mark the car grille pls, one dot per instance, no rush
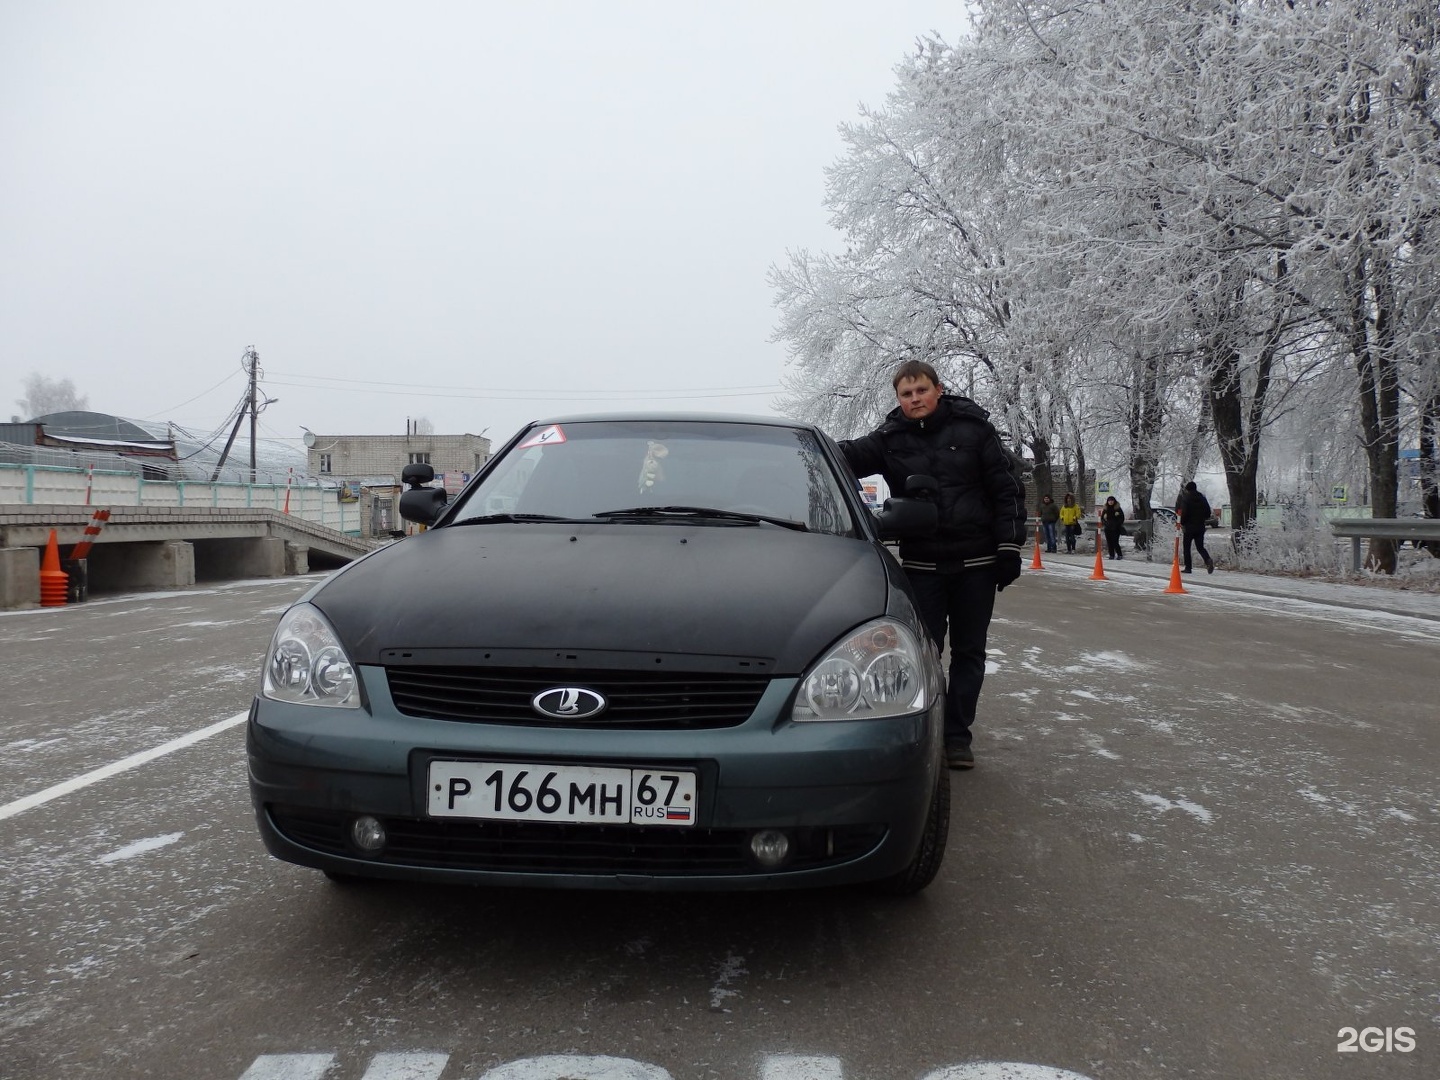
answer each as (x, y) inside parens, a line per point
(635, 699)
(529, 848)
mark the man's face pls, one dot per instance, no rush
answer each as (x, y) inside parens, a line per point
(918, 396)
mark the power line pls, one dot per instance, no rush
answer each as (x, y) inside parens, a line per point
(589, 395)
(407, 389)
(197, 397)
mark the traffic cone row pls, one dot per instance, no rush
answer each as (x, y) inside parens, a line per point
(54, 582)
(1098, 574)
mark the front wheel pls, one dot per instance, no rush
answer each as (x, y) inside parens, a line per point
(931, 853)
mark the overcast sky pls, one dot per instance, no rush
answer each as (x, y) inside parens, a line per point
(477, 213)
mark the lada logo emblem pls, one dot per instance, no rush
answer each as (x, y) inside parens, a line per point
(568, 703)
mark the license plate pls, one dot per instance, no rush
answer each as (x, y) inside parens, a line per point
(509, 791)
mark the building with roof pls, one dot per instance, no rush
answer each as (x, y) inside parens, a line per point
(156, 451)
(377, 461)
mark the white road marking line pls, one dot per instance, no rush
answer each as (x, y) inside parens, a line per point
(1003, 1070)
(406, 1067)
(428, 1066)
(19, 806)
(799, 1067)
(576, 1067)
(288, 1067)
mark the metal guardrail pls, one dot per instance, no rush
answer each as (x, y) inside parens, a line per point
(1357, 529)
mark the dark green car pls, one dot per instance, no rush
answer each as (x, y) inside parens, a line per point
(634, 652)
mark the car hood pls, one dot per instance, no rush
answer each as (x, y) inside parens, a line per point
(670, 590)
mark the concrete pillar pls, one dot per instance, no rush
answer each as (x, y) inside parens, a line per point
(297, 558)
(19, 577)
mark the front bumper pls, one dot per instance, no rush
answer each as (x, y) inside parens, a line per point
(852, 796)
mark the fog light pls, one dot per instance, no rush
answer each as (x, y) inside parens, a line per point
(368, 834)
(770, 847)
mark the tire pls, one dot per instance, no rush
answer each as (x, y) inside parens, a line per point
(931, 853)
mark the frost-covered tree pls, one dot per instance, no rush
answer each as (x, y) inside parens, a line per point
(1130, 223)
(44, 396)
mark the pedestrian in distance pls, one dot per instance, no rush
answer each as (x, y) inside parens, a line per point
(1112, 521)
(1193, 510)
(975, 551)
(1049, 522)
(1070, 521)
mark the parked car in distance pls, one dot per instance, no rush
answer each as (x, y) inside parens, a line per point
(639, 651)
(1161, 519)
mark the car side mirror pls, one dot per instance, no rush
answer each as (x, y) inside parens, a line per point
(423, 505)
(900, 518)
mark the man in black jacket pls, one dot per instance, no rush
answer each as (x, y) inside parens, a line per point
(1193, 510)
(976, 550)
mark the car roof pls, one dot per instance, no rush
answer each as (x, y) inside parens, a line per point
(670, 415)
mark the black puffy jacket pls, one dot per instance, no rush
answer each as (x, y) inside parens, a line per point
(982, 498)
(1193, 510)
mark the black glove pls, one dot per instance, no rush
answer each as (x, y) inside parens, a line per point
(1007, 569)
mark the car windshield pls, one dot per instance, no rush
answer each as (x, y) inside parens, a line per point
(663, 471)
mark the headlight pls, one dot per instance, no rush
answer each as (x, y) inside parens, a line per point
(874, 672)
(306, 663)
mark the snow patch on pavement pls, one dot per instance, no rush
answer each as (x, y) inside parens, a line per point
(731, 968)
(1163, 804)
(140, 847)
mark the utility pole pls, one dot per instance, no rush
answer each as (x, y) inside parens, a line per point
(250, 364)
(252, 368)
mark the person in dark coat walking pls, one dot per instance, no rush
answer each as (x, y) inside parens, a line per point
(1049, 522)
(1193, 510)
(1112, 520)
(975, 551)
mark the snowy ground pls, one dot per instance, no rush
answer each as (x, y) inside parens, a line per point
(1414, 590)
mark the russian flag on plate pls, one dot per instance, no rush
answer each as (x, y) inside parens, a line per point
(677, 813)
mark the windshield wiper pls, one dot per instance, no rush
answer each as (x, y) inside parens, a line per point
(492, 519)
(705, 512)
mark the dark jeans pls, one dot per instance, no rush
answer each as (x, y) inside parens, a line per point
(1195, 536)
(1112, 543)
(1049, 529)
(964, 601)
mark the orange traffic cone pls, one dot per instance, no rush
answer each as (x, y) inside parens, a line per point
(54, 582)
(1035, 563)
(1099, 574)
(1175, 586)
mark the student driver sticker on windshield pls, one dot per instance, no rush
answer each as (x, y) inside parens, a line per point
(551, 434)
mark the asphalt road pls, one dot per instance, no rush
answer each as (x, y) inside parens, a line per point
(1202, 841)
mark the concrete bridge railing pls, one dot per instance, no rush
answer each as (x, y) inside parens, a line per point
(163, 534)
(50, 485)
